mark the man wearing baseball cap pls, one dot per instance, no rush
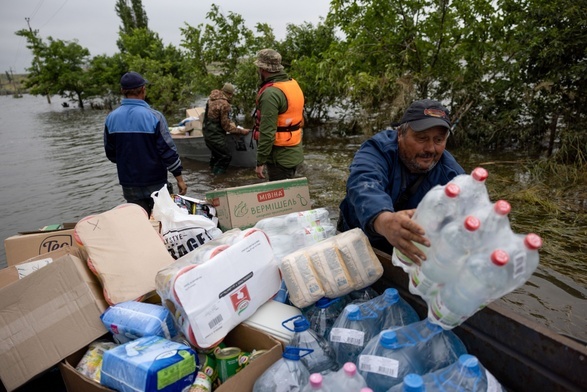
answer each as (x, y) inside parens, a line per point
(390, 174)
(279, 118)
(137, 139)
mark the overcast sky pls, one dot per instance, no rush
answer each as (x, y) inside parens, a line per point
(94, 23)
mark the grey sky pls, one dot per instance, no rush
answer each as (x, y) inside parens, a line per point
(95, 24)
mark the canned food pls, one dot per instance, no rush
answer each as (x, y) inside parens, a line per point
(208, 365)
(227, 362)
(202, 383)
(256, 354)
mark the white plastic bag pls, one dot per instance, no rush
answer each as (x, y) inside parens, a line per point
(182, 232)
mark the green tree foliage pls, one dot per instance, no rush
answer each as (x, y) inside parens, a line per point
(58, 67)
(132, 16)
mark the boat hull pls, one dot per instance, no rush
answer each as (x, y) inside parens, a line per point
(242, 148)
(522, 354)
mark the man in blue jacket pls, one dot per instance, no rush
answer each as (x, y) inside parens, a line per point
(137, 139)
(391, 173)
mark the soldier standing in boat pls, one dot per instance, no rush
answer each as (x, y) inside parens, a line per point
(278, 119)
(217, 124)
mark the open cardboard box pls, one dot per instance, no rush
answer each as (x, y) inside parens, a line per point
(244, 337)
(47, 315)
(29, 244)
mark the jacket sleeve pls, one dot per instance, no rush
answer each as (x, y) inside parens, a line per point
(109, 145)
(225, 122)
(372, 184)
(271, 102)
(166, 147)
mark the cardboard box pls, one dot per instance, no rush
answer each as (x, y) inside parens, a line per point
(47, 316)
(244, 337)
(196, 125)
(242, 207)
(28, 244)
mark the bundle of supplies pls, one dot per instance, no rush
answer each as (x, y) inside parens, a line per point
(150, 363)
(291, 232)
(124, 251)
(217, 286)
(331, 268)
(131, 320)
(474, 257)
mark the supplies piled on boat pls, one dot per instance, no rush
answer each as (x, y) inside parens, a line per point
(474, 257)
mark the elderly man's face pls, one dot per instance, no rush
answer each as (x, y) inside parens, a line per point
(421, 151)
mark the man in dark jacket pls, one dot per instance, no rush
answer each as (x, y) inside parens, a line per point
(391, 173)
(137, 139)
(216, 125)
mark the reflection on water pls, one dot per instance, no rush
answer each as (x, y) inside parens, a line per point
(54, 170)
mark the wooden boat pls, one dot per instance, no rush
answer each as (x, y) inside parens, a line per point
(521, 354)
(192, 146)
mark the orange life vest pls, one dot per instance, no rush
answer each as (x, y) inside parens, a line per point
(290, 122)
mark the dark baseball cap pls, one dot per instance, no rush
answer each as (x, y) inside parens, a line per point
(132, 80)
(425, 114)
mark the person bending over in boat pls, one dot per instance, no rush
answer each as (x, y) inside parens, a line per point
(390, 174)
(279, 118)
(216, 125)
(137, 139)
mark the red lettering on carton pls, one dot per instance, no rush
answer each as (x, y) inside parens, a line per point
(270, 195)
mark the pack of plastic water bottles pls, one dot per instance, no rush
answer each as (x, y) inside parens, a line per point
(474, 257)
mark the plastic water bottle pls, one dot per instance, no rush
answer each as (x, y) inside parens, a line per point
(438, 207)
(288, 374)
(412, 383)
(393, 310)
(419, 348)
(321, 359)
(473, 191)
(495, 223)
(362, 295)
(323, 314)
(347, 378)
(316, 384)
(283, 294)
(482, 279)
(448, 253)
(351, 332)
(523, 261)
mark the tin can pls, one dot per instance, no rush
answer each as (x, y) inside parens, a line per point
(208, 366)
(256, 354)
(202, 383)
(227, 362)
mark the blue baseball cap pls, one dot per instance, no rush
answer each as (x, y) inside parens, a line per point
(132, 80)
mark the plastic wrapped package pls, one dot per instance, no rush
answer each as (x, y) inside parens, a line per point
(91, 363)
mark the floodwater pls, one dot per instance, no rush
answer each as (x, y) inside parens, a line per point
(54, 170)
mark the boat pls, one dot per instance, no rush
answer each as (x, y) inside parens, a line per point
(522, 354)
(190, 143)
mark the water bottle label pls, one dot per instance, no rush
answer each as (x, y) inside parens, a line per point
(380, 365)
(349, 336)
(519, 262)
(422, 285)
(443, 315)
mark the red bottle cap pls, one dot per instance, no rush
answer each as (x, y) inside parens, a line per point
(533, 241)
(500, 257)
(480, 174)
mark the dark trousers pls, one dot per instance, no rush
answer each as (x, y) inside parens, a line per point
(141, 196)
(276, 172)
(220, 156)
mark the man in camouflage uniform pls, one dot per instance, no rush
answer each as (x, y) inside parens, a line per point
(216, 124)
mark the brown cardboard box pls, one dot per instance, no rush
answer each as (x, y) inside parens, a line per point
(195, 124)
(28, 244)
(244, 206)
(244, 337)
(46, 316)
